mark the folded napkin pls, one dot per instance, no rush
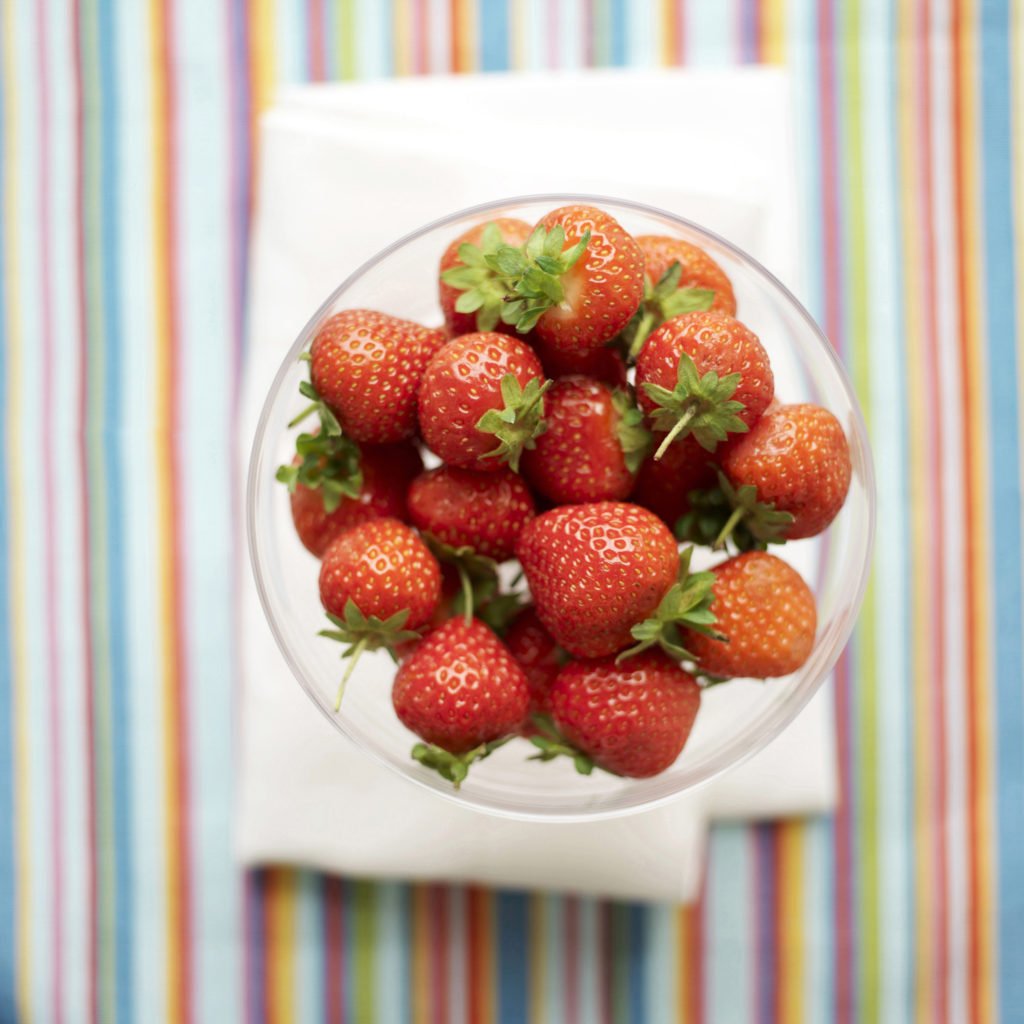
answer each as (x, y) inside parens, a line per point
(346, 169)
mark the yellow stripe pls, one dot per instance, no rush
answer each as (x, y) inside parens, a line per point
(16, 541)
(348, 61)
(262, 54)
(518, 16)
(668, 32)
(773, 31)
(401, 42)
(792, 951)
(282, 888)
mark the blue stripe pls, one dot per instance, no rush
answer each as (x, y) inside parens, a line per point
(494, 35)
(8, 951)
(618, 41)
(1004, 453)
(512, 916)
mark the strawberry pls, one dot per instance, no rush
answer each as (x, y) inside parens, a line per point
(596, 571)
(462, 692)
(466, 280)
(538, 655)
(703, 374)
(367, 367)
(384, 471)
(593, 445)
(482, 511)
(797, 461)
(604, 364)
(664, 485)
(766, 616)
(630, 719)
(477, 390)
(379, 584)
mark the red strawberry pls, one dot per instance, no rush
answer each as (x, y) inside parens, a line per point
(462, 692)
(703, 374)
(798, 460)
(698, 269)
(482, 511)
(367, 367)
(604, 364)
(379, 584)
(593, 445)
(386, 472)
(766, 614)
(664, 485)
(464, 270)
(631, 719)
(538, 655)
(596, 571)
(481, 401)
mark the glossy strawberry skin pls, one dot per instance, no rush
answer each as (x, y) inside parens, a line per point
(602, 290)
(716, 342)
(513, 231)
(387, 472)
(384, 568)
(461, 383)
(699, 269)
(767, 612)
(604, 364)
(579, 457)
(632, 719)
(596, 570)
(460, 688)
(798, 458)
(462, 508)
(367, 367)
(664, 485)
(538, 655)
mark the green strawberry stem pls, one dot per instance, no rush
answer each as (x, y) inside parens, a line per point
(311, 408)
(681, 424)
(662, 302)
(726, 531)
(467, 591)
(454, 767)
(353, 659)
(649, 319)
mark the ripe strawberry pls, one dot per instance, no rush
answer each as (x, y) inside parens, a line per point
(538, 655)
(385, 473)
(465, 276)
(630, 719)
(596, 571)
(698, 269)
(604, 364)
(766, 615)
(480, 389)
(367, 367)
(664, 485)
(593, 445)
(378, 584)
(798, 460)
(703, 374)
(482, 511)
(462, 692)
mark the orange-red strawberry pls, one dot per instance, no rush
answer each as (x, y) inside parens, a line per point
(704, 374)
(766, 614)
(366, 367)
(604, 364)
(664, 485)
(462, 692)
(379, 584)
(538, 655)
(481, 401)
(631, 718)
(385, 474)
(467, 280)
(593, 445)
(698, 269)
(463, 509)
(798, 460)
(595, 571)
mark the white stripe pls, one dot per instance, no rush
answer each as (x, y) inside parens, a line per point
(439, 36)
(643, 30)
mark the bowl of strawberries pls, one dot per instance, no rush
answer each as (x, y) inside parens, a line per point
(561, 506)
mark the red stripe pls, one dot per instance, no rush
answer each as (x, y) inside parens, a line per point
(437, 900)
(334, 942)
(680, 33)
(455, 30)
(49, 499)
(92, 981)
(572, 960)
(316, 43)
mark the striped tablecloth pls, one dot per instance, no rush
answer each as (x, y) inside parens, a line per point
(126, 145)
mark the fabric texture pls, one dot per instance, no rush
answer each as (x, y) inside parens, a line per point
(126, 156)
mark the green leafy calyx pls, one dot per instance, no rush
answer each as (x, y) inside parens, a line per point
(687, 604)
(634, 437)
(661, 302)
(550, 743)
(453, 767)
(519, 422)
(729, 516)
(701, 406)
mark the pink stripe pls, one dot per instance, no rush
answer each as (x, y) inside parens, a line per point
(421, 58)
(553, 34)
(315, 42)
(49, 492)
(588, 33)
(572, 960)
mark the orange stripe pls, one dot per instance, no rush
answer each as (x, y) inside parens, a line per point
(790, 923)
(480, 956)
(280, 945)
(420, 955)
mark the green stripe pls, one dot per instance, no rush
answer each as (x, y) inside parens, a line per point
(364, 896)
(347, 20)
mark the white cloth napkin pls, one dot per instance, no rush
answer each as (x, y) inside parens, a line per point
(346, 169)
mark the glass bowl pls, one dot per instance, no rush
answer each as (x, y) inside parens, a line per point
(735, 720)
